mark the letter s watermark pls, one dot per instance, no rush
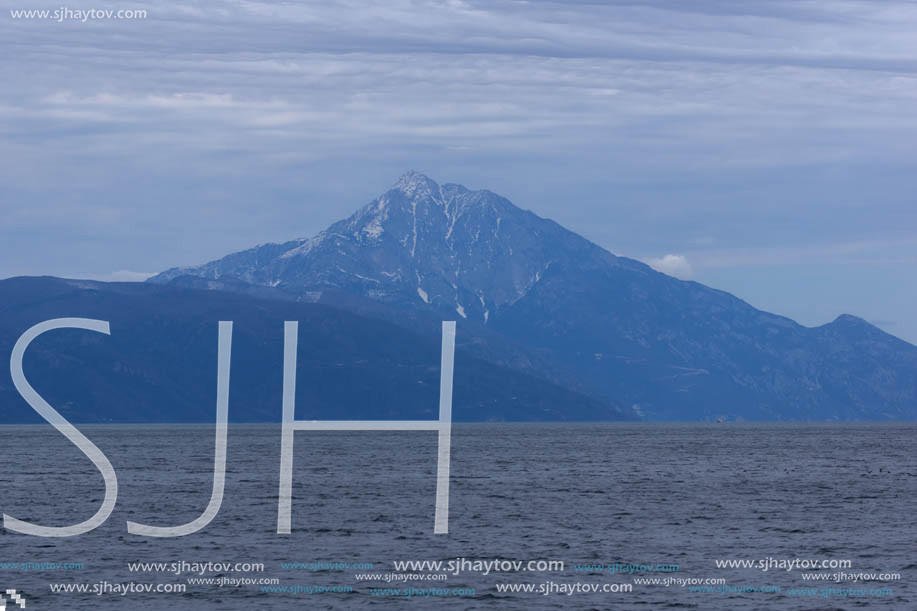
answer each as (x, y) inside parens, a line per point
(68, 430)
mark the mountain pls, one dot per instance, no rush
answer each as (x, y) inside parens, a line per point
(421, 245)
(159, 363)
(536, 298)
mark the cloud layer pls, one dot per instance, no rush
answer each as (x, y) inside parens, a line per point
(715, 129)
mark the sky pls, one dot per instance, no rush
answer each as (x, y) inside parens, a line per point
(766, 148)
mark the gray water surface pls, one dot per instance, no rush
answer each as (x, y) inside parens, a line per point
(684, 494)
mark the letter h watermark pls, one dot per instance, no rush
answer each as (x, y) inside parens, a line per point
(290, 425)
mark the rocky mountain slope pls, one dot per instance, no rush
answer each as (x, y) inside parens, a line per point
(159, 363)
(535, 297)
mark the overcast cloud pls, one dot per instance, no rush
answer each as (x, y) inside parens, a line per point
(771, 144)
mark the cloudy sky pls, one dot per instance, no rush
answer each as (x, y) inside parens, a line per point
(765, 147)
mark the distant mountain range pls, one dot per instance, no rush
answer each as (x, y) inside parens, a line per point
(160, 362)
(532, 296)
(550, 327)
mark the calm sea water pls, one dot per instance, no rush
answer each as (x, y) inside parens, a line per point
(585, 494)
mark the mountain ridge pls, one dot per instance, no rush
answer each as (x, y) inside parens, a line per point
(159, 362)
(466, 282)
(536, 296)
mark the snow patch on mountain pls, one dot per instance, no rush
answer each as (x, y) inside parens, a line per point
(471, 252)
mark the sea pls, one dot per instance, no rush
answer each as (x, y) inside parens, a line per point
(614, 503)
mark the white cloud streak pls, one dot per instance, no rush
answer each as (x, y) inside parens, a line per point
(673, 265)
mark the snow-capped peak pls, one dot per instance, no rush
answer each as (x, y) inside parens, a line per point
(474, 251)
(414, 184)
